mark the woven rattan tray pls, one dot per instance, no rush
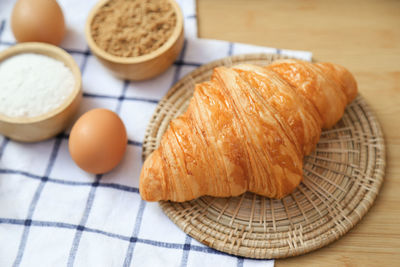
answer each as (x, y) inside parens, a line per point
(341, 180)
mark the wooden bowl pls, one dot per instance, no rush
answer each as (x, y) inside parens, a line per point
(38, 128)
(141, 67)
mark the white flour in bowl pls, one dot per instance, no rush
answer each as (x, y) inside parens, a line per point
(33, 84)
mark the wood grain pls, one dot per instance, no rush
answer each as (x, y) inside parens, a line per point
(364, 36)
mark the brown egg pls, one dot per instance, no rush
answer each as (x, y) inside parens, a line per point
(98, 140)
(38, 21)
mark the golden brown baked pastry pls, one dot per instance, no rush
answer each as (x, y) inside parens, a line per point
(247, 130)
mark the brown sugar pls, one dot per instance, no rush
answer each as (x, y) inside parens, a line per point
(131, 28)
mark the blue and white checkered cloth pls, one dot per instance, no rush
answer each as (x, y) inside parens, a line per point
(54, 214)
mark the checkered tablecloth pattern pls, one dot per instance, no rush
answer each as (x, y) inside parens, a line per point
(54, 214)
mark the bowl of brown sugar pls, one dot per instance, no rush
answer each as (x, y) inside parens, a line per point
(135, 39)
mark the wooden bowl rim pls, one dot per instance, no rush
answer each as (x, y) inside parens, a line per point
(46, 50)
(139, 59)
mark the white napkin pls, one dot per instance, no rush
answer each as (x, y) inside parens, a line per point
(54, 214)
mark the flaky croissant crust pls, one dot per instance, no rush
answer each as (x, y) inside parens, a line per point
(247, 129)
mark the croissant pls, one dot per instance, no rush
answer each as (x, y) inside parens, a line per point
(247, 129)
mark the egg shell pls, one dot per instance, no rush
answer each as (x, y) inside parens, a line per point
(38, 21)
(98, 141)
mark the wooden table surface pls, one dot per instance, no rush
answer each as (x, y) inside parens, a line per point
(363, 36)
